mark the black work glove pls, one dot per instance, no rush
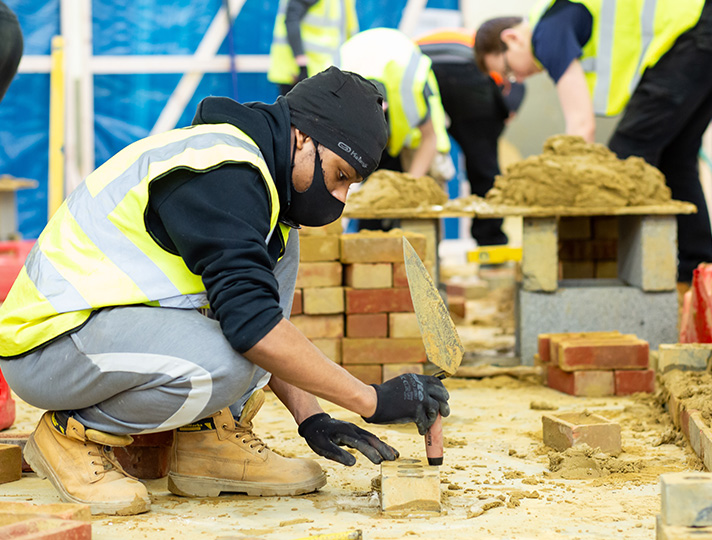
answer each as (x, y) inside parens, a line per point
(410, 398)
(323, 433)
(303, 73)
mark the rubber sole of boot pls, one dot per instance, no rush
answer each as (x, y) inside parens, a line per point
(34, 458)
(201, 486)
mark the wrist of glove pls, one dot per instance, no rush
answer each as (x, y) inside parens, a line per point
(325, 435)
(410, 398)
(303, 73)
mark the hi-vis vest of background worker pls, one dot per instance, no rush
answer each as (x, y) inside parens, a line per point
(627, 37)
(327, 25)
(96, 251)
(390, 57)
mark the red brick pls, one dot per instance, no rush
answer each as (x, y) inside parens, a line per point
(456, 306)
(318, 248)
(365, 325)
(26, 510)
(320, 326)
(393, 370)
(400, 278)
(630, 381)
(382, 351)
(369, 374)
(368, 275)
(545, 348)
(566, 430)
(18, 439)
(602, 354)
(10, 463)
(586, 250)
(581, 383)
(148, 456)
(378, 300)
(557, 339)
(378, 246)
(49, 529)
(319, 274)
(297, 303)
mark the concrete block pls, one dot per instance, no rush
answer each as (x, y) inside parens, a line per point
(319, 274)
(393, 370)
(10, 463)
(17, 439)
(409, 485)
(379, 246)
(632, 381)
(367, 325)
(366, 373)
(647, 252)
(26, 510)
(684, 356)
(368, 275)
(671, 532)
(378, 300)
(403, 325)
(566, 430)
(540, 262)
(603, 353)
(587, 307)
(49, 529)
(297, 303)
(320, 326)
(581, 383)
(382, 351)
(323, 300)
(331, 347)
(686, 499)
(319, 248)
(575, 227)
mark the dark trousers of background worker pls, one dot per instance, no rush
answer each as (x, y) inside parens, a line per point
(477, 113)
(11, 45)
(664, 122)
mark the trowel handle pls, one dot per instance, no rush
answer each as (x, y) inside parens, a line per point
(434, 442)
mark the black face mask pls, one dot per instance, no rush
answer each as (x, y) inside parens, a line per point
(314, 206)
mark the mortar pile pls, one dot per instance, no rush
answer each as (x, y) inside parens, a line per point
(390, 189)
(572, 172)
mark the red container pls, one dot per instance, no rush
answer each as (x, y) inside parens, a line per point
(7, 404)
(12, 257)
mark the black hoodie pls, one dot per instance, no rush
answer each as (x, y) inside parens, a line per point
(218, 221)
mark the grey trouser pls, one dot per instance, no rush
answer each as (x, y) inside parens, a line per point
(133, 370)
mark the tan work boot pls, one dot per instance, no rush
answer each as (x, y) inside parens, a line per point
(81, 465)
(221, 454)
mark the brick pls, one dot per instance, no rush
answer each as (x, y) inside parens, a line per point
(606, 270)
(378, 300)
(540, 263)
(50, 529)
(706, 445)
(10, 463)
(297, 303)
(320, 326)
(148, 456)
(390, 371)
(577, 269)
(631, 381)
(548, 343)
(473, 290)
(671, 532)
(382, 351)
(400, 278)
(604, 227)
(581, 383)
(26, 510)
(331, 347)
(379, 246)
(588, 250)
(566, 430)
(367, 325)
(675, 410)
(457, 306)
(618, 353)
(319, 248)
(647, 252)
(368, 275)
(684, 356)
(686, 499)
(335, 228)
(319, 274)
(403, 325)
(18, 439)
(367, 374)
(323, 301)
(571, 228)
(409, 484)
(694, 434)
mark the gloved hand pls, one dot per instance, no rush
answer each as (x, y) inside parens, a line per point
(303, 73)
(323, 433)
(410, 398)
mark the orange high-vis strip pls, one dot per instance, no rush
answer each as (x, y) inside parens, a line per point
(448, 36)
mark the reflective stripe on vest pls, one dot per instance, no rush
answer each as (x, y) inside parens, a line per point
(96, 251)
(627, 37)
(326, 25)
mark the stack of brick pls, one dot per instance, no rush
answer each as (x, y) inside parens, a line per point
(596, 363)
(353, 302)
(588, 247)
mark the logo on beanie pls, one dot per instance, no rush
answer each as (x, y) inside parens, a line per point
(346, 148)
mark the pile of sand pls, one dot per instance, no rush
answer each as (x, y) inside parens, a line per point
(386, 190)
(581, 462)
(571, 172)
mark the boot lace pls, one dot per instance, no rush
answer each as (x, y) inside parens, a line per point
(246, 436)
(106, 461)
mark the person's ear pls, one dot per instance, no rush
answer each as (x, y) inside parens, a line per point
(509, 36)
(301, 138)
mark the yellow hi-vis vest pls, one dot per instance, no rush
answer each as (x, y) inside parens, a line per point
(327, 25)
(96, 251)
(627, 37)
(391, 58)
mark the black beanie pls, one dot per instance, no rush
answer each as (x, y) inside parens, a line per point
(343, 112)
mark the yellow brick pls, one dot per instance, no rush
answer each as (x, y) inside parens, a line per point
(574, 228)
(319, 326)
(318, 248)
(319, 274)
(323, 300)
(369, 275)
(393, 370)
(379, 246)
(403, 325)
(333, 229)
(331, 347)
(409, 484)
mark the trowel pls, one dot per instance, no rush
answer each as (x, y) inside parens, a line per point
(442, 343)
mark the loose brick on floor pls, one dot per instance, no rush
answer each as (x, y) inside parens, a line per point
(631, 381)
(319, 326)
(686, 499)
(368, 275)
(566, 430)
(382, 351)
(49, 529)
(684, 356)
(581, 383)
(378, 300)
(18, 439)
(319, 274)
(409, 484)
(10, 463)
(599, 354)
(367, 325)
(26, 510)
